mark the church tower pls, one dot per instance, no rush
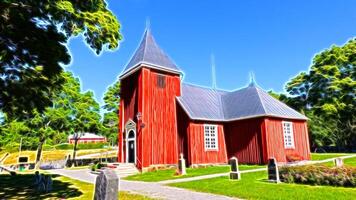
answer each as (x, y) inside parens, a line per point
(150, 83)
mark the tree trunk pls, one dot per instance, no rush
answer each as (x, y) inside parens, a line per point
(75, 150)
(39, 153)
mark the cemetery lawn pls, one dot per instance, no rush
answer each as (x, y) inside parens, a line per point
(168, 174)
(254, 186)
(323, 156)
(20, 187)
(350, 162)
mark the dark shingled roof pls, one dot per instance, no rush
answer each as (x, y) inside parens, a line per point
(151, 54)
(217, 105)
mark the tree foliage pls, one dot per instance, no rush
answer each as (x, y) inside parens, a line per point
(33, 37)
(111, 115)
(72, 111)
(327, 95)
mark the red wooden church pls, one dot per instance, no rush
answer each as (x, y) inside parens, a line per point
(162, 117)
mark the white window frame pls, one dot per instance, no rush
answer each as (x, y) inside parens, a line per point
(208, 138)
(288, 135)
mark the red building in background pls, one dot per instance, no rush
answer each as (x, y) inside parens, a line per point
(162, 117)
(87, 138)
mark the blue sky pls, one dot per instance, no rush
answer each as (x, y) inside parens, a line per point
(275, 39)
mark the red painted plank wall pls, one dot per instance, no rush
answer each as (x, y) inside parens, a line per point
(275, 141)
(183, 125)
(244, 140)
(198, 155)
(160, 135)
(120, 138)
(130, 99)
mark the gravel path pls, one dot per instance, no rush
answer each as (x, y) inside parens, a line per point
(153, 190)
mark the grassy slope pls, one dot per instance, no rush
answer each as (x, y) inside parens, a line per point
(49, 155)
(20, 187)
(254, 186)
(162, 175)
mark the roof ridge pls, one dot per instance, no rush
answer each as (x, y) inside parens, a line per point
(204, 87)
(145, 46)
(259, 97)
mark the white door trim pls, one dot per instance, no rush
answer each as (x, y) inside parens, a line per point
(130, 126)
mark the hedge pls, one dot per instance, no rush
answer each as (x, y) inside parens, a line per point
(319, 175)
(67, 146)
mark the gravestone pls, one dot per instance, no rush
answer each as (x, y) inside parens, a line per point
(339, 162)
(48, 183)
(181, 165)
(234, 173)
(273, 173)
(106, 185)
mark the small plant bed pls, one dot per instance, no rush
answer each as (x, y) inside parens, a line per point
(168, 174)
(319, 175)
(324, 156)
(255, 186)
(20, 187)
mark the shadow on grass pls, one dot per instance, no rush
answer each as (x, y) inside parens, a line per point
(22, 187)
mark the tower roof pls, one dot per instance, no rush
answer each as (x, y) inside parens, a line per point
(151, 55)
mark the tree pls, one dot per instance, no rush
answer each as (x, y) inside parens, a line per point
(111, 115)
(327, 94)
(72, 111)
(33, 37)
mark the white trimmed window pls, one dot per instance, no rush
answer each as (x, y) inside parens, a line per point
(210, 137)
(288, 134)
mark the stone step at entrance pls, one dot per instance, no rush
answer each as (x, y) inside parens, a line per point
(125, 169)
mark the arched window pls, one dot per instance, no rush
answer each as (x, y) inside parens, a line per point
(131, 134)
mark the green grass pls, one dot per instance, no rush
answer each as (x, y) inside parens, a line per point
(350, 162)
(20, 187)
(255, 186)
(161, 175)
(323, 156)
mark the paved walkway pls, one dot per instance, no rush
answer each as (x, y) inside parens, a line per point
(153, 190)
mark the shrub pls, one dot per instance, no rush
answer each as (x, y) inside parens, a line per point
(319, 175)
(47, 147)
(64, 146)
(97, 166)
(67, 146)
(294, 157)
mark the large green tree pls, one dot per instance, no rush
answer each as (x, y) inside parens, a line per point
(326, 93)
(33, 38)
(111, 112)
(72, 111)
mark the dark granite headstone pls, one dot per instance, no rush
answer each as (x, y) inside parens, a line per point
(106, 185)
(273, 173)
(235, 173)
(181, 166)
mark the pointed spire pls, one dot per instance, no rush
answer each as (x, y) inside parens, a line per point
(151, 55)
(252, 80)
(213, 72)
(148, 24)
